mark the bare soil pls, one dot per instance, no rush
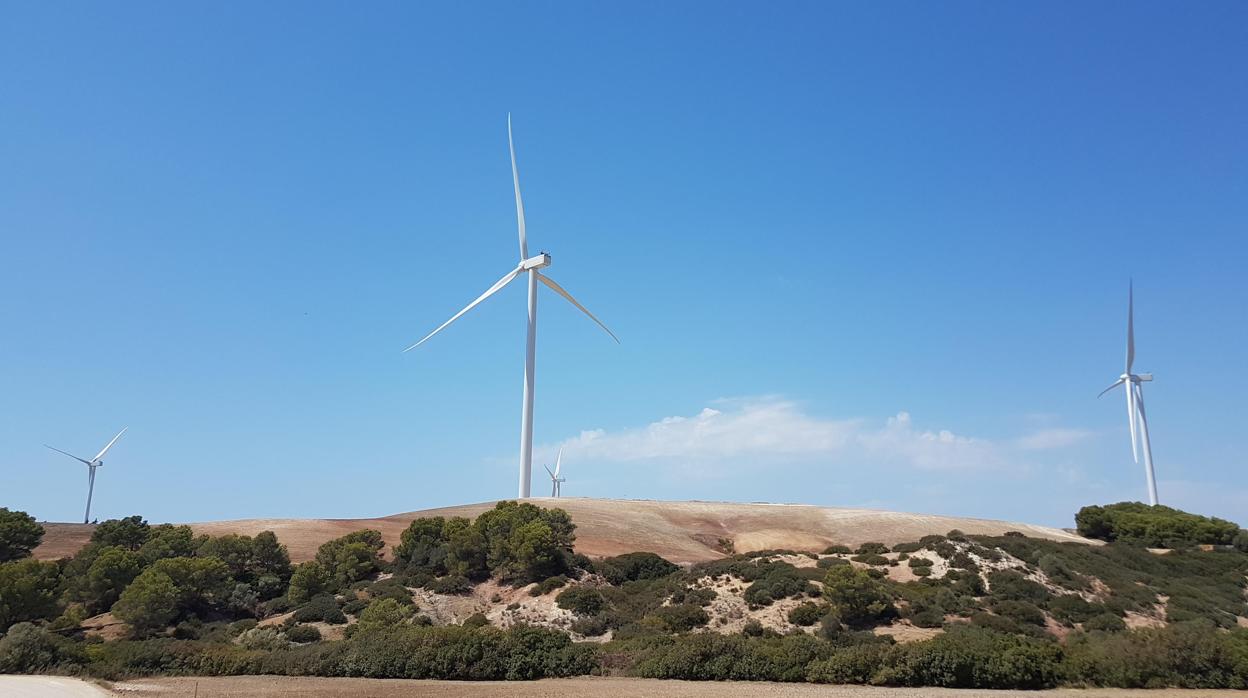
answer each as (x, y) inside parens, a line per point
(683, 532)
(311, 687)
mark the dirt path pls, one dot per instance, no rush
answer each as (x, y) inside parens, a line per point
(48, 687)
(309, 687)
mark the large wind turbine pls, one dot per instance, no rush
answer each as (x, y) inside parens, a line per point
(91, 466)
(531, 266)
(1135, 401)
(555, 480)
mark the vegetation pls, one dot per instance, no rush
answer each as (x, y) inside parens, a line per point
(19, 534)
(193, 604)
(1155, 526)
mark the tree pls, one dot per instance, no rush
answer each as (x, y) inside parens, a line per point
(352, 557)
(173, 589)
(525, 542)
(308, 580)
(129, 533)
(232, 549)
(28, 591)
(268, 557)
(1156, 526)
(423, 546)
(110, 573)
(856, 597)
(631, 567)
(19, 534)
(381, 614)
(150, 603)
(167, 540)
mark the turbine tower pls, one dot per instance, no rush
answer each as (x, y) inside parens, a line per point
(1134, 384)
(530, 266)
(555, 480)
(91, 466)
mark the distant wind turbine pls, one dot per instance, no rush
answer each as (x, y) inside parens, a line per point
(1135, 401)
(91, 466)
(555, 480)
(528, 265)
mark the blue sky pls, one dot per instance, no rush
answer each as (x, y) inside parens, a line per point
(857, 255)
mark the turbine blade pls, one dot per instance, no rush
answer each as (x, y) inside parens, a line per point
(515, 178)
(82, 460)
(1135, 453)
(110, 445)
(1111, 387)
(489, 292)
(552, 475)
(558, 461)
(559, 289)
(1130, 325)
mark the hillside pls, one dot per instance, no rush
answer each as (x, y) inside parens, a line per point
(679, 531)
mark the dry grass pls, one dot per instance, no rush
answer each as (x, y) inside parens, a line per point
(679, 531)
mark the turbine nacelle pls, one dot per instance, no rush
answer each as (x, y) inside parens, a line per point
(538, 262)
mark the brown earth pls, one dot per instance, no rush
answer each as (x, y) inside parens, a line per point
(679, 531)
(310, 687)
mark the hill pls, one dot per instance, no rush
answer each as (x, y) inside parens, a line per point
(684, 532)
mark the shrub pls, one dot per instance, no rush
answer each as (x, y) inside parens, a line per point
(1155, 526)
(27, 649)
(682, 617)
(919, 562)
(855, 664)
(1019, 611)
(907, 547)
(267, 638)
(309, 579)
(1070, 608)
(752, 628)
(837, 550)
(857, 598)
(777, 581)
(548, 585)
(871, 559)
(476, 620)
(590, 626)
(806, 614)
(350, 558)
(872, 549)
(1241, 541)
(967, 657)
(1008, 584)
(322, 608)
(450, 584)
(826, 562)
(1105, 622)
(921, 571)
(634, 566)
(581, 600)
(19, 534)
(303, 634)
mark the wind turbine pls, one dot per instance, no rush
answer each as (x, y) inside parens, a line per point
(1135, 401)
(530, 266)
(555, 480)
(91, 466)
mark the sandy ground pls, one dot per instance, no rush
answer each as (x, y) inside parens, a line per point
(679, 531)
(305, 687)
(48, 687)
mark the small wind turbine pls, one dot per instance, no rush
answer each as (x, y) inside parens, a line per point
(1135, 401)
(528, 265)
(91, 466)
(555, 480)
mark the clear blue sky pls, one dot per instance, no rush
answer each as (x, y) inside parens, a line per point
(222, 223)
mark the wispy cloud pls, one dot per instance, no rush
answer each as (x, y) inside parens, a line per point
(774, 429)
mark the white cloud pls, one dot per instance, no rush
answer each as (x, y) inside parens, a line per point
(1046, 439)
(772, 429)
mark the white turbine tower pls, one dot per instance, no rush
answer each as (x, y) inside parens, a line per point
(528, 265)
(1135, 401)
(555, 480)
(91, 466)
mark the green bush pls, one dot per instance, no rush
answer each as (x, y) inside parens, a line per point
(450, 584)
(968, 657)
(1241, 541)
(826, 562)
(919, 562)
(581, 600)
(856, 598)
(321, 608)
(590, 626)
(1105, 622)
(634, 566)
(837, 550)
(27, 649)
(19, 534)
(129, 533)
(548, 585)
(777, 581)
(872, 549)
(871, 559)
(1186, 656)
(806, 614)
(907, 547)
(28, 591)
(681, 617)
(303, 634)
(1155, 526)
